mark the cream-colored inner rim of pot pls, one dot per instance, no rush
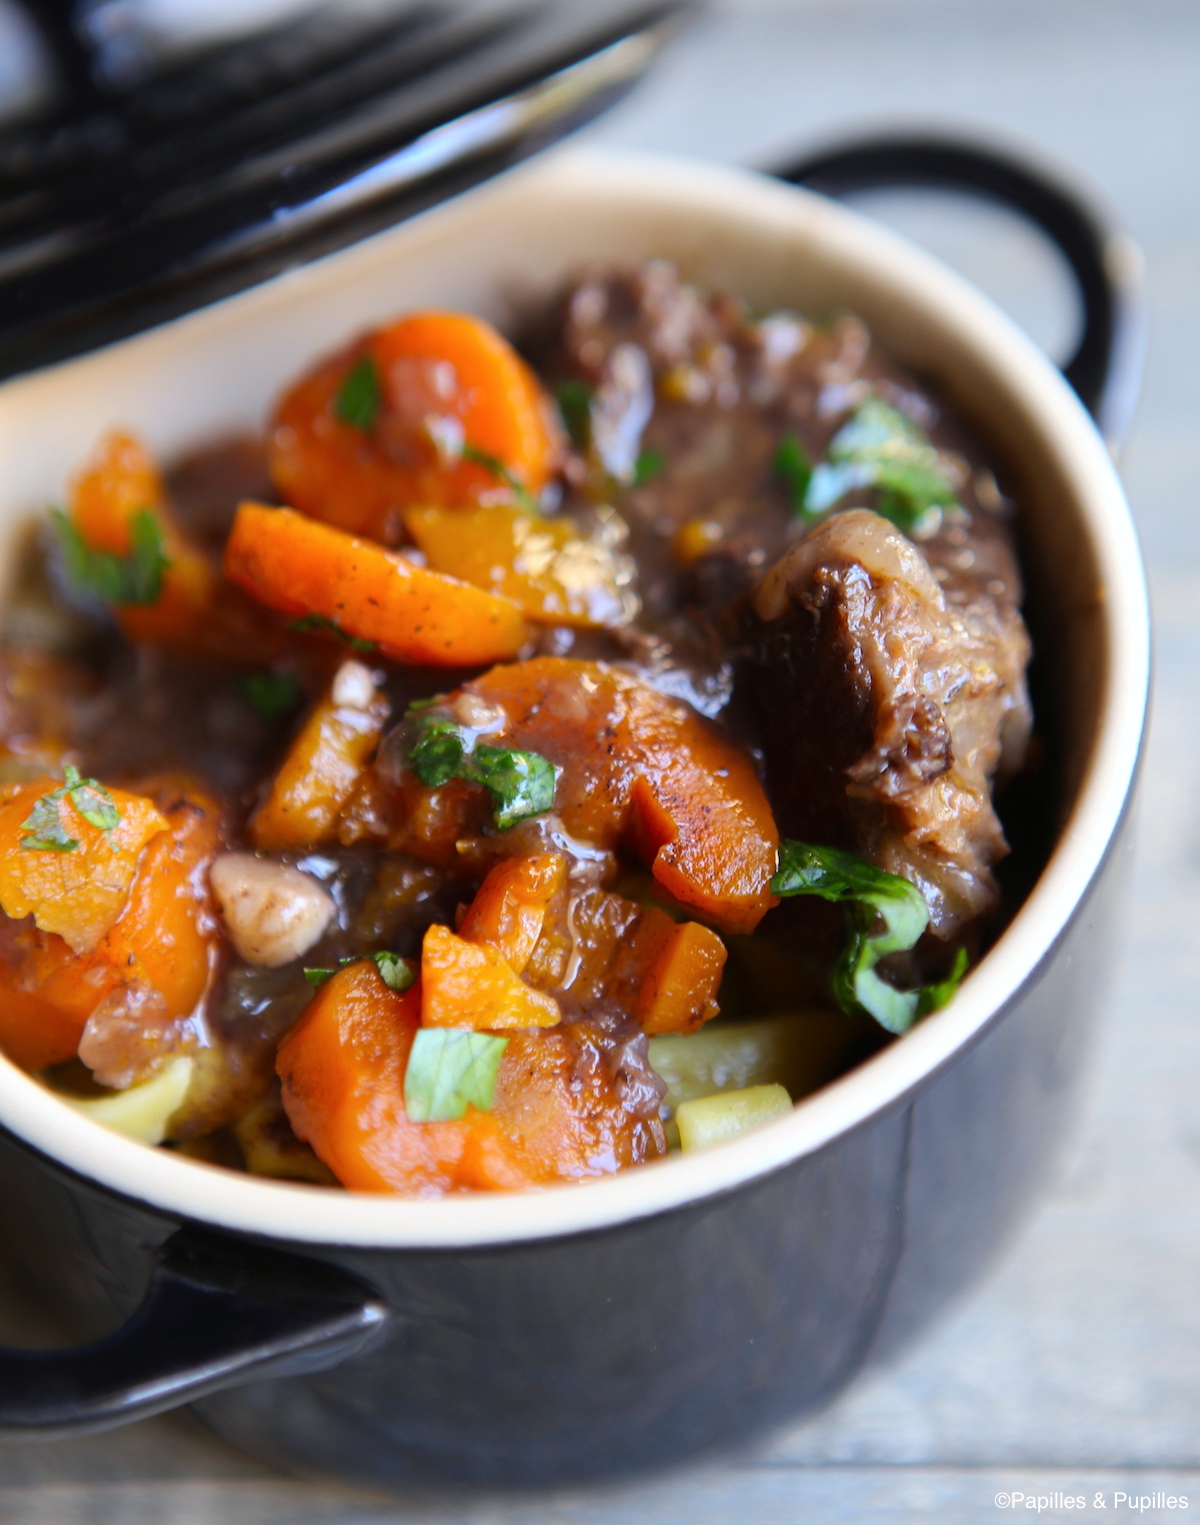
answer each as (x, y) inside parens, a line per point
(492, 251)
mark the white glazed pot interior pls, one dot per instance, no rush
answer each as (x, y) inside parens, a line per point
(500, 251)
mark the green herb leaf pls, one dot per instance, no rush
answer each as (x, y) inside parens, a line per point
(397, 973)
(574, 400)
(322, 622)
(146, 562)
(792, 465)
(942, 992)
(871, 897)
(132, 579)
(649, 464)
(359, 397)
(440, 754)
(879, 447)
(503, 474)
(450, 1069)
(47, 834)
(44, 823)
(273, 694)
(521, 784)
(92, 800)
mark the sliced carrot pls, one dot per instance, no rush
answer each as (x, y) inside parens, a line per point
(33, 1033)
(472, 985)
(167, 935)
(436, 382)
(321, 768)
(119, 482)
(426, 823)
(195, 609)
(556, 575)
(677, 989)
(643, 769)
(81, 892)
(342, 1067)
(166, 938)
(303, 568)
(509, 909)
(599, 949)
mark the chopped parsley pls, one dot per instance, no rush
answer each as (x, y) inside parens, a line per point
(135, 578)
(441, 752)
(870, 896)
(396, 973)
(322, 622)
(574, 400)
(649, 464)
(451, 1069)
(521, 784)
(879, 447)
(360, 396)
(792, 465)
(44, 822)
(272, 694)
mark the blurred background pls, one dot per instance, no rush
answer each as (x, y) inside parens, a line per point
(1076, 1367)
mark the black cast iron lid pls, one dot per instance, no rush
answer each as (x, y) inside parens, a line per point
(151, 183)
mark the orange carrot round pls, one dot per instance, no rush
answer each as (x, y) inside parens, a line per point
(434, 408)
(195, 610)
(368, 594)
(80, 891)
(644, 770)
(166, 937)
(342, 1068)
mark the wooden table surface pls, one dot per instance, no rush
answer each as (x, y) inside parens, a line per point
(1076, 1367)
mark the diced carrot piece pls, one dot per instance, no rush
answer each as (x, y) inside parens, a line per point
(80, 893)
(120, 481)
(599, 949)
(678, 988)
(167, 935)
(555, 574)
(443, 381)
(509, 909)
(425, 823)
(33, 1033)
(643, 769)
(322, 766)
(342, 1067)
(472, 985)
(302, 568)
(196, 609)
(166, 938)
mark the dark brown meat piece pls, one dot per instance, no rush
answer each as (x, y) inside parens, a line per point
(890, 676)
(890, 709)
(712, 390)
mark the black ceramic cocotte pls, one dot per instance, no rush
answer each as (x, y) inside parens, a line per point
(590, 1331)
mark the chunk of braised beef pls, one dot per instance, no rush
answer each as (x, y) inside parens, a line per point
(888, 711)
